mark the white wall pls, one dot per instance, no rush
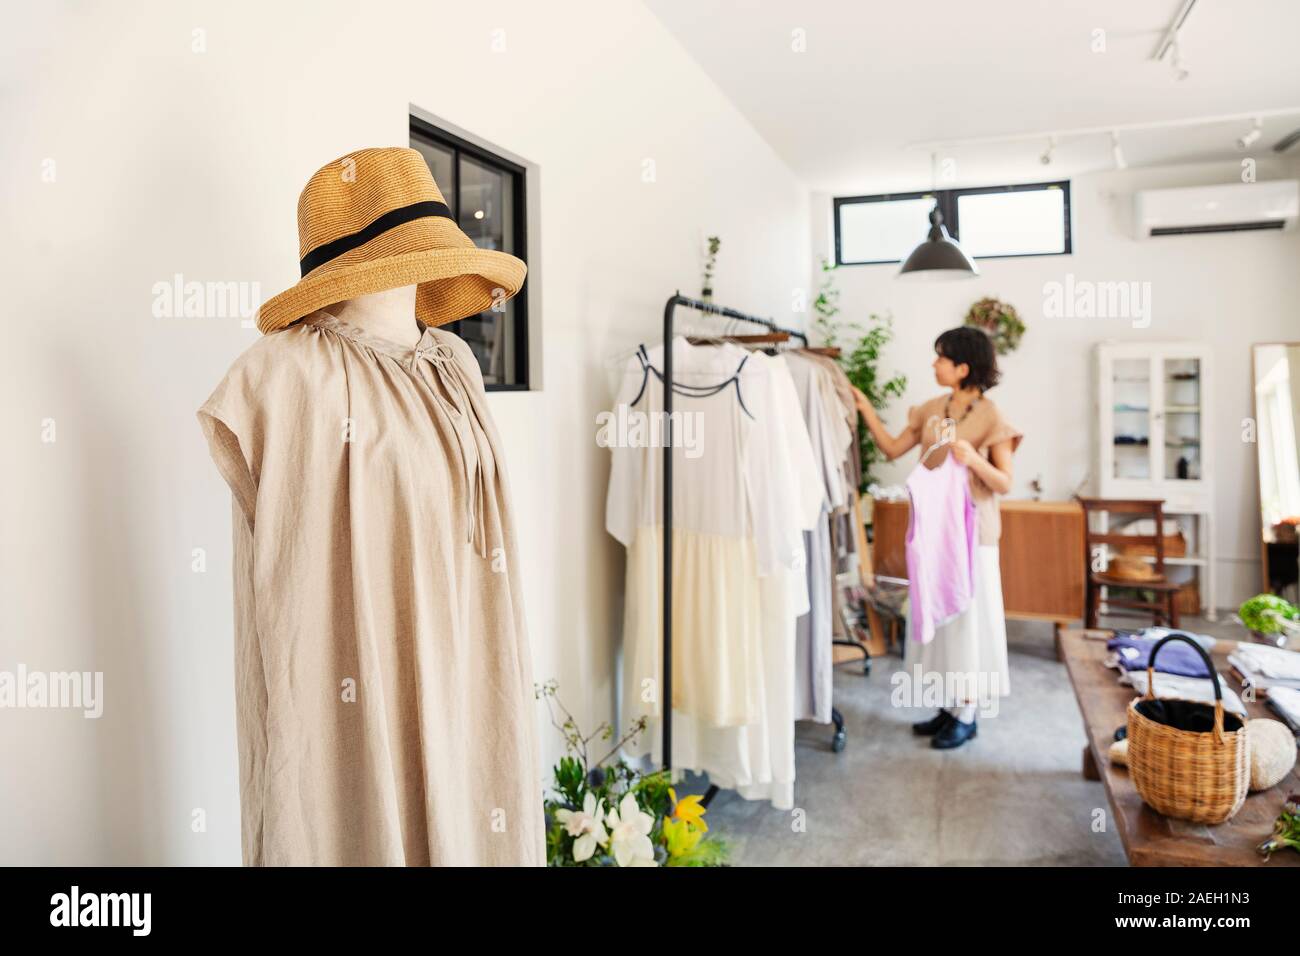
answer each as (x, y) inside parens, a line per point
(170, 161)
(1225, 290)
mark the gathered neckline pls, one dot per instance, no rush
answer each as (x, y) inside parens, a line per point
(327, 320)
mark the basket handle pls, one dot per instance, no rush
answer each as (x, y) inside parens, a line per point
(1209, 666)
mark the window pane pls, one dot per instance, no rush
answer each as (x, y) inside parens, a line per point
(885, 231)
(486, 200)
(1012, 223)
(440, 160)
(486, 214)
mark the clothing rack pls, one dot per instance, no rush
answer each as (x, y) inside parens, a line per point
(674, 302)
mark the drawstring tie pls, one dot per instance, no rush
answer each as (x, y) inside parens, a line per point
(443, 359)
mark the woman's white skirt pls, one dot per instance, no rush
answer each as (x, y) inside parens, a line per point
(969, 652)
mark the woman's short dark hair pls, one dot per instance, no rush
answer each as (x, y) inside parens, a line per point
(972, 346)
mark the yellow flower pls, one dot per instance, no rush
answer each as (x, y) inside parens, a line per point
(689, 810)
(680, 837)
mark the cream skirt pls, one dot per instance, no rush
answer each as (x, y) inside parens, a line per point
(969, 652)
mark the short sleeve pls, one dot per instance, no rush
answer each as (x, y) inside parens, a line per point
(915, 420)
(1001, 430)
(232, 427)
(627, 464)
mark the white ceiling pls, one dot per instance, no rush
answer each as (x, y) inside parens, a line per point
(879, 77)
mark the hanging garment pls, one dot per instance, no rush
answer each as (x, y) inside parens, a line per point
(983, 427)
(770, 743)
(757, 760)
(968, 655)
(837, 381)
(814, 635)
(717, 549)
(385, 709)
(742, 500)
(941, 538)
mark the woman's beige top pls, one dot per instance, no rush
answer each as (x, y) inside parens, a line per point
(984, 427)
(384, 697)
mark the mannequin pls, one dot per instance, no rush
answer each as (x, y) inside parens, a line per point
(383, 682)
(389, 314)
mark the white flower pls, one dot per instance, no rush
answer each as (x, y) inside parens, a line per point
(585, 824)
(629, 834)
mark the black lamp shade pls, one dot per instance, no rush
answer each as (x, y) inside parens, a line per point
(938, 257)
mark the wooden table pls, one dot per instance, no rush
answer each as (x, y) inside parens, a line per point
(1149, 838)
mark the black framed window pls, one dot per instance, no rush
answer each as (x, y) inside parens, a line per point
(486, 195)
(990, 222)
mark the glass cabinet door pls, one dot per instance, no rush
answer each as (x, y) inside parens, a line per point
(1181, 384)
(1131, 418)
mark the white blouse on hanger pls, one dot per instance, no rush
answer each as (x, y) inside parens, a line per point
(744, 492)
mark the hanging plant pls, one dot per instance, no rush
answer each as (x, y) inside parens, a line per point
(1000, 321)
(710, 262)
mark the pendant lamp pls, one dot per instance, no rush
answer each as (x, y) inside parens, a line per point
(938, 257)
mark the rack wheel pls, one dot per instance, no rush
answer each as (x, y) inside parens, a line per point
(839, 740)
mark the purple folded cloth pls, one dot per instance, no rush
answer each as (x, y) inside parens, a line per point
(1175, 657)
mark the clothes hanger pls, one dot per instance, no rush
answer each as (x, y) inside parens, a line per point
(944, 440)
(765, 338)
(830, 351)
(619, 359)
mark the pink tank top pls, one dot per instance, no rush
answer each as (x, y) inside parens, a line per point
(941, 540)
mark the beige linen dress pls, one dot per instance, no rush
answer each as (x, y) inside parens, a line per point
(383, 679)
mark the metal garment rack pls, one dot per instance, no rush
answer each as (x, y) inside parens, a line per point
(678, 300)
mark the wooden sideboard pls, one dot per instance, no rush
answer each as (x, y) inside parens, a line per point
(1041, 552)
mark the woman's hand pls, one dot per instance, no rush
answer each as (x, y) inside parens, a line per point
(965, 452)
(994, 471)
(865, 408)
(891, 445)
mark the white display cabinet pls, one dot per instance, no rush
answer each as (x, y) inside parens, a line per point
(1153, 405)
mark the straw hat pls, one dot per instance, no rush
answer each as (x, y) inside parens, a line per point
(1129, 567)
(375, 220)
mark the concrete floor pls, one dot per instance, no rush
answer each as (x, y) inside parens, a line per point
(1012, 796)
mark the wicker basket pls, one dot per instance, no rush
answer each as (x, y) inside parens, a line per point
(1175, 547)
(1187, 759)
(1188, 598)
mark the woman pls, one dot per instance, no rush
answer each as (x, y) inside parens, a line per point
(968, 653)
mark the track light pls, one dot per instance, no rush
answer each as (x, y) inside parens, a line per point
(1046, 158)
(1116, 152)
(1249, 138)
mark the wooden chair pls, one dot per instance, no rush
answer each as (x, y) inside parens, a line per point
(1163, 605)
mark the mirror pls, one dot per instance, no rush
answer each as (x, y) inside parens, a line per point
(1277, 420)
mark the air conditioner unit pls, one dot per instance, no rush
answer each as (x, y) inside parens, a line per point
(1231, 207)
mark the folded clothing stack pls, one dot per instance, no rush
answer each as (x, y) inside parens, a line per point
(1177, 687)
(1131, 650)
(1275, 665)
(1285, 702)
